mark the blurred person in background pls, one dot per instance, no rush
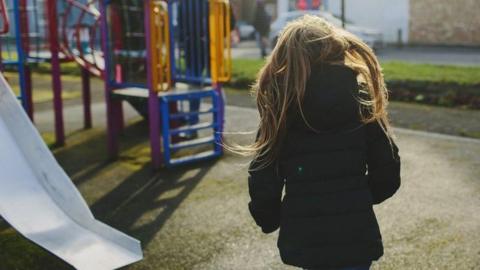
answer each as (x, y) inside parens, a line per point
(261, 23)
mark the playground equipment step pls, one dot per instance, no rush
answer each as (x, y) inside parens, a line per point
(189, 114)
(174, 94)
(189, 128)
(192, 143)
(125, 93)
(193, 158)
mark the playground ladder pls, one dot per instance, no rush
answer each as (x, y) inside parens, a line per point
(169, 133)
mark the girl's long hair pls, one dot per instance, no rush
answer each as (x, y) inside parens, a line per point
(281, 81)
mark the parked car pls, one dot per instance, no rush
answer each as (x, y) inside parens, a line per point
(372, 37)
(246, 31)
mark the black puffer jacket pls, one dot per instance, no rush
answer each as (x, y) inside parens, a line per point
(326, 217)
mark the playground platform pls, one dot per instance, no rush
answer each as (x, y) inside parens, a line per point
(195, 216)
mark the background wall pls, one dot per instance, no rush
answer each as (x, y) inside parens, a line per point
(445, 22)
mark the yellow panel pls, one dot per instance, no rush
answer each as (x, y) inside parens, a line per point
(161, 72)
(220, 41)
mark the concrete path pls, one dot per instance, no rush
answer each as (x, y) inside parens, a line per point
(73, 116)
(196, 217)
(462, 56)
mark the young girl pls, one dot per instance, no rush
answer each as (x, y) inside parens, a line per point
(325, 136)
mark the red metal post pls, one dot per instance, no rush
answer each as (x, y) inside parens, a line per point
(112, 132)
(56, 76)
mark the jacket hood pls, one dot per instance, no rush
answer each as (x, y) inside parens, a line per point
(330, 100)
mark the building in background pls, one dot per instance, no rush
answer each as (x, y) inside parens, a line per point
(445, 22)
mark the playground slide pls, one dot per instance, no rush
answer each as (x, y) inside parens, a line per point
(40, 201)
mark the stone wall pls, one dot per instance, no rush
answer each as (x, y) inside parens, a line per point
(445, 22)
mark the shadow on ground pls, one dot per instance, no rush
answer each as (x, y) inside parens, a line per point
(126, 204)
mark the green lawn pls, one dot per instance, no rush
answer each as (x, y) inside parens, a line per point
(397, 70)
(245, 70)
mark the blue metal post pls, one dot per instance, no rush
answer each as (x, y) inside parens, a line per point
(165, 130)
(172, 43)
(207, 39)
(218, 119)
(21, 61)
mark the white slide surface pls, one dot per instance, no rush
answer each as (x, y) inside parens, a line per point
(40, 201)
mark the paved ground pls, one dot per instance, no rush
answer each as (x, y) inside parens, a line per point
(196, 217)
(433, 55)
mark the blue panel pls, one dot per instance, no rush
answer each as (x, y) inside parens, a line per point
(190, 41)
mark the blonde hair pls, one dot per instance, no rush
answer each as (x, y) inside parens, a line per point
(281, 81)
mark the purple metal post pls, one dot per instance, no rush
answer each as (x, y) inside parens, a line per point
(153, 108)
(56, 80)
(112, 131)
(87, 112)
(119, 116)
